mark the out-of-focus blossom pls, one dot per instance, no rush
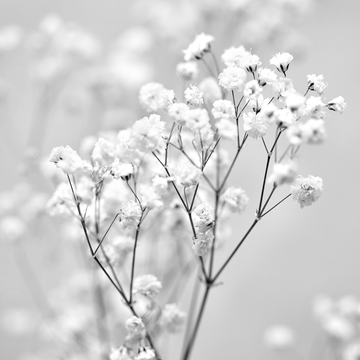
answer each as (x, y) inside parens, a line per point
(172, 318)
(279, 337)
(12, 228)
(187, 71)
(186, 174)
(315, 107)
(198, 48)
(337, 104)
(120, 170)
(179, 112)
(283, 173)
(266, 77)
(194, 96)
(235, 199)
(223, 109)
(316, 83)
(252, 90)
(211, 90)
(147, 285)
(135, 327)
(154, 97)
(10, 38)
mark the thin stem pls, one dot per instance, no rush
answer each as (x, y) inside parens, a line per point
(209, 69)
(276, 205)
(197, 324)
(108, 229)
(215, 62)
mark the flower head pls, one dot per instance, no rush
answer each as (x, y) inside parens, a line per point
(130, 215)
(66, 159)
(283, 173)
(279, 337)
(154, 97)
(194, 96)
(316, 83)
(200, 46)
(307, 190)
(281, 61)
(172, 318)
(254, 124)
(147, 285)
(223, 109)
(187, 70)
(235, 199)
(337, 104)
(232, 78)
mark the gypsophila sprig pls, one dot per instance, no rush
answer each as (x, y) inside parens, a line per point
(307, 190)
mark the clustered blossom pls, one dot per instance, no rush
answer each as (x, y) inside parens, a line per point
(252, 90)
(172, 318)
(203, 217)
(266, 77)
(147, 285)
(179, 112)
(188, 70)
(232, 78)
(187, 174)
(197, 49)
(282, 61)
(130, 215)
(154, 97)
(315, 107)
(283, 173)
(254, 124)
(194, 96)
(316, 83)
(135, 328)
(121, 170)
(337, 104)
(226, 129)
(307, 190)
(223, 109)
(235, 199)
(147, 133)
(66, 159)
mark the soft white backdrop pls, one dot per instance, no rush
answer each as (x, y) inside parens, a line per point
(293, 254)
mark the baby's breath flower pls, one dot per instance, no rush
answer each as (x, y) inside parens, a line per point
(279, 337)
(316, 83)
(315, 107)
(161, 184)
(146, 353)
(252, 90)
(283, 173)
(135, 327)
(307, 190)
(197, 118)
(232, 78)
(61, 201)
(187, 174)
(338, 327)
(202, 243)
(104, 152)
(211, 89)
(266, 76)
(121, 170)
(295, 103)
(203, 138)
(254, 125)
(282, 61)
(313, 131)
(85, 190)
(295, 134)
(147, 133)
(147, 285)
(66, 159)
(179, 112)
(234, 56)
(283, 87)
(154, 97)
(337, 104)
(268, 112)
(203, 217)
(235, 199)
(226, 129)
(118, 249)
(251, 62)
(130, 215)
(285, 117)
(198, 48)
(149, 197)
(172, 318)
(223, 109)
(194, 96)
(120, 353)
(188, 70)
(12, 228)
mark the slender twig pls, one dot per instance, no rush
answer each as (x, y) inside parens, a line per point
(108, 229)
(276, 205)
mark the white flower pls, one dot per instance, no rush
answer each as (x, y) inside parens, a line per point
(203, 217)
(323, 306)
(338, 327)
(10, 38)
(61, 200)
(337, 104)
(235, 199)
(154, 97)
(179, 112)
(281, 61)
(120, 353)
(135, 327)
(316, 83)
(254, 125)
(202, 243)
(172, 318)
(223, 109)
(266, 76)
(147, 285)
(119, 248)
(149, 197)
(235, 56)
(66, 159)
(197, 118)
(283, 173)
(188, 70)
(147, 133)
(104, 152)
(251, 62)
(252, 90)
(313, 131)
(198, 47)
(203, 138)
(194, 96)
(130, 215)
(211, 89)
(307, 190)
(283, 87)
(121, 170)
(279, 337)
(232, 78)
(187, 174)
(146, 353)
(315, 107)
(12, 228)
(295, 103)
